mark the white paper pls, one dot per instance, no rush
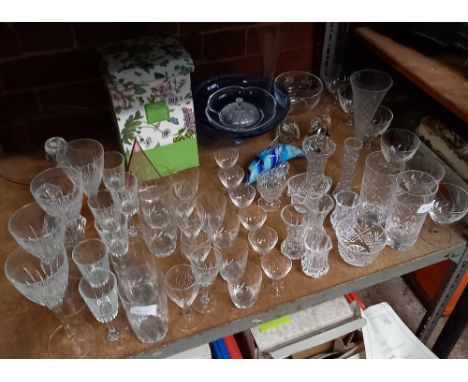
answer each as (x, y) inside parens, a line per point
(425, 207)
(148, 310)
(386, 336)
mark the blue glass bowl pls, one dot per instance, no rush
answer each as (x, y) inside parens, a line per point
(204, 90)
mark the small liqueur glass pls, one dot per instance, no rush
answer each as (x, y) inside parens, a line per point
(399, 145)
(231, 177)
(113, 173)
(114, 235)
(252, 217)
(226, 157)
(352, 149)
(318, 149)
(318, 244)
(243, 195)
(276, 267)
(295, 219)
(263, 240)
(245, 290)
(318, 211)
(234, 260)
(348, 203)
(205, 268)
(182, 289)
(89, 255)
(450, 204)
(227, 231)
(270, 186)
(360, 240)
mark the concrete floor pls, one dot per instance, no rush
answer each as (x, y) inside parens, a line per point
(396, 293)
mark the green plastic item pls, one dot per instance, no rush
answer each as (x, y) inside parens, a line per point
(156, 112)
(266, 326)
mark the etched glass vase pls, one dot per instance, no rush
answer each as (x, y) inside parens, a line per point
(352, 149)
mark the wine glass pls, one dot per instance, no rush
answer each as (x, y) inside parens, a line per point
(214, 205)
(244, 291)
(270, 186)
(243, 195)
(114, 235)
(182, 289)
(345, 97)
(89, 255)
(128, 200)
(113, 173)
(105, 207)
(226, 157)
(399, 145)
(252, 217)
(159, 231)
(276, 267)
(263, 240)
(191, 222)
(231, 177)
(450, 205)
(227, 231)
(234, 260)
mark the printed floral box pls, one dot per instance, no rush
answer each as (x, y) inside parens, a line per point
(149, 83)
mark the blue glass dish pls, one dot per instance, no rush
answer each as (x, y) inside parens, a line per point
(203, 91)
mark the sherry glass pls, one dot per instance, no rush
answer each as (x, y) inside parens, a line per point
(234, 260)
(245, 290)
(295, 219)
(276, 267)
(113, 173)
(270, 186)
(231, 177)
(182, 289)
(226, 157)
(243, 195)
(263, 240)
(450, 204)
(399, 145)
(252, 217)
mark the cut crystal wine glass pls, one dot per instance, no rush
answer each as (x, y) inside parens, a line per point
(299, 190)
(214, 205)
(89, 255)
(105, 207)
(276, 267)
(270, 186)
(245, 290)
(227, 231)
(115, 235)
(113, 173)
(190, 244)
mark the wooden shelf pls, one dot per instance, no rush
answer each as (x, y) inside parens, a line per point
(444, 78)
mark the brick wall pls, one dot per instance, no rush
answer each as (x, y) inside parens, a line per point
(51, 81)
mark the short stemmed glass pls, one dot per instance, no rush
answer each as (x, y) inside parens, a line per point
(192, 222)
(226, 157)
(252, 217)
(399, 145)
(245, 290)
(231, 177)
(270, 186)
(243, 195)
(182, 289)
(89, 255)
(37, 232)
(234, 260)
(190, 244)
(263, 240)
(276, 267)
(205, 267)
(113, 173)
(102, 300)
(295, 218)
(59, 192)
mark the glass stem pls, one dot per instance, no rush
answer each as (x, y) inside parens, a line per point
(112, 332)
(187, 313)
(68, 330)
(132, 227)
(204, 295)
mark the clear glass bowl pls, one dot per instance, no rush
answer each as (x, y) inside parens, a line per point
(304, 90)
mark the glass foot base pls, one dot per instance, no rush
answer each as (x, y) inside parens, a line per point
(61, 345)
(269, 205)
(315, 273)
(204, 307)
(399, 246)
(186, 325)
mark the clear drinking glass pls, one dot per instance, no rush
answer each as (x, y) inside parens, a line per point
(102, 300)
(345, 98)
(234, 260)
(399, 145)
(105, 207)
(186, 183)
(182, 289)
(214, 205)
(206, 269)
(115, 235)
(318, 244)
(413, 198)
(59, 192)
(352, 149)
(270, 186)
(318, 211)
(245, 290)
(89, 255)
(318, 149)
(377, 186)
(276, 267)
(190, 244)
(113, 173)
(37, 232)
(128, 200)
(227, 231)
(252, 217)
(263, 240)
(231, 177)
(428, 165)
(348, 203)
(143, 295)
(191, 223)
(243, 195)
(381, 121)
(450, 205)
(360, 240)
(226, 157)
(159, 231)
(153, 197)
(87, 156)
(295, 219)
(369, 89)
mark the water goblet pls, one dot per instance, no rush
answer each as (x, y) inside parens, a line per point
(128, 200)
(263, 240)
(87, 156)
(318, 244)
(205, 268)
(105, 207)
(89, 255)
(270, 186)
(103, 301)
(113, 173)
(243, 195)
(182, 289)
(399, 145)
(295, 218)
(276, 267)
(234, 260)
(318, 212)
(159, 231)
(450, 204)
(231, 177)
(348, 203)
(214, 205)
(245, 290)
(59, 192)
(200, 244)
(227, 231)
(226, 157)
(252, 217)
(114, 235)
(37, 232)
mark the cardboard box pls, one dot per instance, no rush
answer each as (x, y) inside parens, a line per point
(149, 84)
